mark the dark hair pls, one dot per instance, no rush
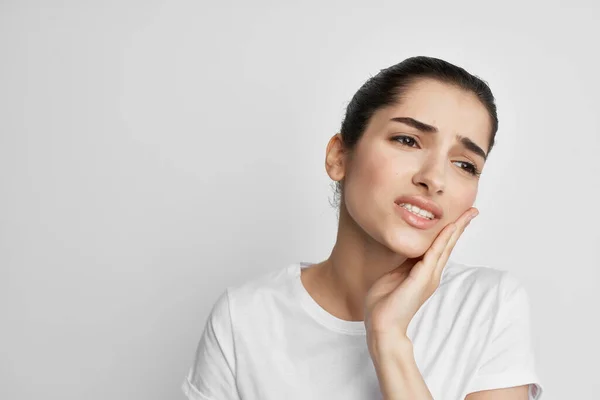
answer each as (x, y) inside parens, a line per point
(388, 86)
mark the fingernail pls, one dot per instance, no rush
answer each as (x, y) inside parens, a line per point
(473, 216)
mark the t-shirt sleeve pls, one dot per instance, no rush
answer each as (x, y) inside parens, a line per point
(212, 375)
(509, 358)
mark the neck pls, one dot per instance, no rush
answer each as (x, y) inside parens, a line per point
(355, 263)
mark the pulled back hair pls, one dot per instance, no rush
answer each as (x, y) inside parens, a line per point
(388, 87)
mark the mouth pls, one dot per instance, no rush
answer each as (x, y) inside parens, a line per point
(420, 206)
(419, 212)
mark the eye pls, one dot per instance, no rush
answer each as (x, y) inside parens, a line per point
(406, 141)
(469, 167)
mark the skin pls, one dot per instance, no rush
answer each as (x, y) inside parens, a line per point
(381, 269)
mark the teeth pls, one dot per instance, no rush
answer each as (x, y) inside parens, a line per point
(416, 210)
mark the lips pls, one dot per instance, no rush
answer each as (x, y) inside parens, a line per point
(423, 203)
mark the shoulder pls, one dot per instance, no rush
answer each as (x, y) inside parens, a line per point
(480, 277)
(471, 301)
(249, 299)
(265, 284)
(482, 287)
(469, 273)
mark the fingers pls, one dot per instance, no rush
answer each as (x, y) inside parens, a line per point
(437, 255)
(439, 244)
(461, 225)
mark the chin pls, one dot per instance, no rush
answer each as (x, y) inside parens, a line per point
(411, 246)
(410, 252)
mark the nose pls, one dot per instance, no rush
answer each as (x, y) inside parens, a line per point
(431, 177)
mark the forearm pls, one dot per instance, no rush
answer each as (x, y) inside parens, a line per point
(399, 377)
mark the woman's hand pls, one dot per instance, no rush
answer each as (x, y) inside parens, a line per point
(395, 298)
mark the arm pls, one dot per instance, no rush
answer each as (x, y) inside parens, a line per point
(394, 299)
(507, 366)
(390, 305)
(399, 377)
(212, 374)
(512, 393)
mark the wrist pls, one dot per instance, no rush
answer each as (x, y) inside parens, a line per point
(396, 368)
(390, 347)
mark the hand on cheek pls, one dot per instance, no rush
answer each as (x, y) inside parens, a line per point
(394, 298)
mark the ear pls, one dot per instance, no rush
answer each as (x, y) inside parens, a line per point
(335, 158)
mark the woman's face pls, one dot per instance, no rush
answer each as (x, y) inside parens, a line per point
(424, 148)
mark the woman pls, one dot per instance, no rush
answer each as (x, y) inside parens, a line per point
(386, 316)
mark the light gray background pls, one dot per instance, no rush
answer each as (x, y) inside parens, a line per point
(154, 152)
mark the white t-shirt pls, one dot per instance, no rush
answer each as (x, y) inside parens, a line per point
(268, 339)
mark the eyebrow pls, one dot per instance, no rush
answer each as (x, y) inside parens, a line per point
(425, 128)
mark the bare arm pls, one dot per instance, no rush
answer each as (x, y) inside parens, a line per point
(392, 302)
(399, 377)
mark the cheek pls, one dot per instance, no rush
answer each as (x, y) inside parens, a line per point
(462, 201)
(386, 169)
(372, 183)
(371, 174)
(361, 184)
